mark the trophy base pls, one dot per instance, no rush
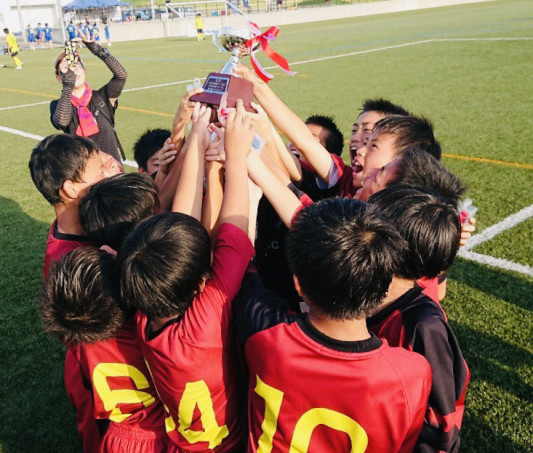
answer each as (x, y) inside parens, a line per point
(217, 84)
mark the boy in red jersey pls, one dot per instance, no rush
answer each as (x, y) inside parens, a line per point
(79, 305)
(409, 319)
(63, 167)
(322, 382)
(114, 206)
(184, 323)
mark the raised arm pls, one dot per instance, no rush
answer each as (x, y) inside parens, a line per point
(290, 124)
(278, 194)
(61, 114)
(188, 198)
(237, 142)
(181, 119)
(117, 82)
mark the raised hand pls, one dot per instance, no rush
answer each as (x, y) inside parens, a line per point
(239, 132)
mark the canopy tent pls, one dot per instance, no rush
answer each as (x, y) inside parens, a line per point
(87, 4)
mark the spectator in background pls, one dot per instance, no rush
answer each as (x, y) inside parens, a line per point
(39, 34)
(13, 48)
(31, 36)
(199, 27)
(84, 112)
(71, 30)
(48, 35)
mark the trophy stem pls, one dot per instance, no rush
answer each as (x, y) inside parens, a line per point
(230, 65)
(228, 68)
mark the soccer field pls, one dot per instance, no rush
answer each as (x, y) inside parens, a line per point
(467, 68)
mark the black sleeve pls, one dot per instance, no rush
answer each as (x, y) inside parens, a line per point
(256, 308)
(61, 110)
(116, 84)
(434, 339)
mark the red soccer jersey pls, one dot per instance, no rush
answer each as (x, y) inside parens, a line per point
(417, 323)
(59, 244)
(195, 360)
(430, 287)
(122, 388)
(309, 392)
(345, 183)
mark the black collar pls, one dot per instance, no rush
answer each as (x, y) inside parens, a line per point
(311, 331)
(67, 237)
(405, 298)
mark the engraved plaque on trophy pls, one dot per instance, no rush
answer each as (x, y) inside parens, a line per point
(233, 40)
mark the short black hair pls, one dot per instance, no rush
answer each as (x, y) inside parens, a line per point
(162, 264)
(6, 30)
(56, 159)
(429, 224)
(383, 106)
(148, 144)
(335, 139)
(344, 254)
(79, 302)
(409, 131)
(114, 206)
(418, 168)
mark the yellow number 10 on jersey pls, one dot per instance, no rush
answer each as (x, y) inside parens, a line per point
(303, 429)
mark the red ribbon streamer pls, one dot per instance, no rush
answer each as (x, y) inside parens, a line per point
(264, 39)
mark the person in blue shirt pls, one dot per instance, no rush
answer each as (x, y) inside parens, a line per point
(80, 32)
(107, 35)
(89, 30)
(71, 30)
(48, 35)
(31, 36)
(96, 33)
(39, 34)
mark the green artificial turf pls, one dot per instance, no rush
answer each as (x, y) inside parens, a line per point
(476, 92)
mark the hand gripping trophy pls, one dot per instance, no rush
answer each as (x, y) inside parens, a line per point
(239, 42)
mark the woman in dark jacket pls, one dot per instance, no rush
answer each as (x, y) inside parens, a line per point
(84, 112)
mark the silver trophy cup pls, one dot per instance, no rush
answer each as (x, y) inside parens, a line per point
(232, 40)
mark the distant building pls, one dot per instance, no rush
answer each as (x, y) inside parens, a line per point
(32, 11)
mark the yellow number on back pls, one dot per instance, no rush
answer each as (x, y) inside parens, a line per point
(112, 398)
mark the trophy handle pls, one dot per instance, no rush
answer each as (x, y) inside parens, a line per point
(215, 41)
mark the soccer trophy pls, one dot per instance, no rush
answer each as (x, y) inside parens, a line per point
(235, 41)
(239, 42)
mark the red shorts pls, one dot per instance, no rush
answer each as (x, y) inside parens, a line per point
(126, 438)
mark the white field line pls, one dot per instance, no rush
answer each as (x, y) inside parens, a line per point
(24, 105)
(149, 87)
(497, 262)
(509, 222)
(10, 130)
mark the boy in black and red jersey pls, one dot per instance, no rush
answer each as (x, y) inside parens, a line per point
(63, 167)
(412, 320)
(184, 323)
(322, 382)
(79, 305)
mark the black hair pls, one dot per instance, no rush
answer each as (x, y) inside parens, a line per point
(409, 131)
(57, 159)
(148, 144)
(114, 206)
(162, 264)
(79, 303)
(344, 253)
(429, 224)
(335, 140)
(383, 106)
(418, 168)
(6, 30)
